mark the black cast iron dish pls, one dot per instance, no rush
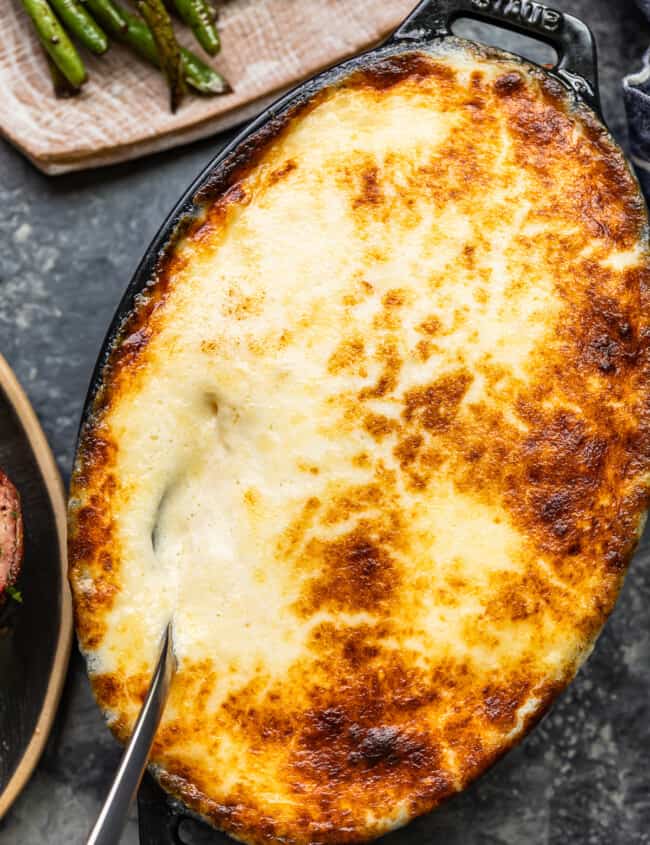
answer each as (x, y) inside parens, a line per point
(429, 24)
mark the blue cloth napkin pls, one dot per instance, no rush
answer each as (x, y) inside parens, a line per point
(636, 95)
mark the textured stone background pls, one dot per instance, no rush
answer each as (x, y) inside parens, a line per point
(68, 247)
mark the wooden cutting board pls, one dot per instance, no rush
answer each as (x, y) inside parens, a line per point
(123, 110)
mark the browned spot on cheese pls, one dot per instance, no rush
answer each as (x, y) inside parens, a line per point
(209, 347)
(363, 732)
(605, 200)
(284, 170)
(358, 571)
(436, 405)
(395, 69)
(108, 689)
(295, 531)
(378, 425)
(501, 704)
(424, 350)
(394, 298)
(368, 752)
(216, 214)
(608, 340)
(362, 460)
(509, 84)
(387, 381)
(370, 189)
(347, 355)
(133, 345)
(241, 306)
(431, 326)
(406, 451)
(359, 498)
(252, 497)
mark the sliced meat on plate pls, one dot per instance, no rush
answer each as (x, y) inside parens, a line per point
(11, 533)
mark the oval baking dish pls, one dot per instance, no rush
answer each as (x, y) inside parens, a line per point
(370, 423)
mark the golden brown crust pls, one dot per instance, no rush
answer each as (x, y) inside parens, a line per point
(561, 452)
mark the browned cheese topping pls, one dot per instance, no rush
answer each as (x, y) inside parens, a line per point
(377, 439)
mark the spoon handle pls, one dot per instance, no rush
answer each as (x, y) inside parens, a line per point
(110, 824)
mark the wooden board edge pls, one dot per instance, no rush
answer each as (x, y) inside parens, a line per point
(120, 153)
(54, 486)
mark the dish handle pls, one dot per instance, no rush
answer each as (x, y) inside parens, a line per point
(572, 39)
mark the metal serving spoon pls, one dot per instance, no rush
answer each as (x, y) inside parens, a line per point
(110, 823)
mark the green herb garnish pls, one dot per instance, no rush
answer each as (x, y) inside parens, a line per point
(15, 594)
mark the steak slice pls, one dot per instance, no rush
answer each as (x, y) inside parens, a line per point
(11, 533)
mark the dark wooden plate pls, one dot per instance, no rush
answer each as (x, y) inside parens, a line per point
(35, 636)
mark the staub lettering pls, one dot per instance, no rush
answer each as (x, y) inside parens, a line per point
(526, 11)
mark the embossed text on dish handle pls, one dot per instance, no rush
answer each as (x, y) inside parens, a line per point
(527, 12)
